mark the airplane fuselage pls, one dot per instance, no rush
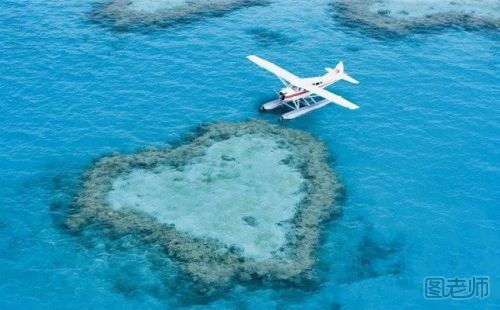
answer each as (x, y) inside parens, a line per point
(292, 93)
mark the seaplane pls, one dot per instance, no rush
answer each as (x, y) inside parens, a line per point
(303, 95)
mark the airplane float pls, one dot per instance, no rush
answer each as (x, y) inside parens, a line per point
(304, 95)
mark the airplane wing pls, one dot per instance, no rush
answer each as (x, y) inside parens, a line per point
(276, 70)
(295, 80)
(327, 95)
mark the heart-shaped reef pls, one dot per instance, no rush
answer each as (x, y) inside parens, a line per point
(240, 201)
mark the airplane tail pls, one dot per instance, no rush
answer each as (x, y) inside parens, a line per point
(339, 69)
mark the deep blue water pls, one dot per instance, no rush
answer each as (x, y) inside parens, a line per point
(420, 160)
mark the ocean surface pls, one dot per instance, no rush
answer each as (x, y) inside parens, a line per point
(420, 159)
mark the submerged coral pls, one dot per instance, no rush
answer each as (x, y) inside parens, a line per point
(402, 17)
(240, 201)
(266, 37)
(129, 14)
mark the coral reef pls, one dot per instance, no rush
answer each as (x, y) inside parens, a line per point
(131, 14)
(240, 201)
(403, 17)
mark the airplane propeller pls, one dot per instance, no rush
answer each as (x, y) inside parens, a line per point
(280, 95)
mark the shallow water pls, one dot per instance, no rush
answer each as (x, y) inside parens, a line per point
(202, 197)
(420, 159)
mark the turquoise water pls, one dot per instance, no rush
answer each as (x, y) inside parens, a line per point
(420, 159)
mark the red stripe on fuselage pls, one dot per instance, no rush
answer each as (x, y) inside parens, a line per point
(305, 92)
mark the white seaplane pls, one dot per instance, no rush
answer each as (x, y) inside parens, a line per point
(305, 95)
